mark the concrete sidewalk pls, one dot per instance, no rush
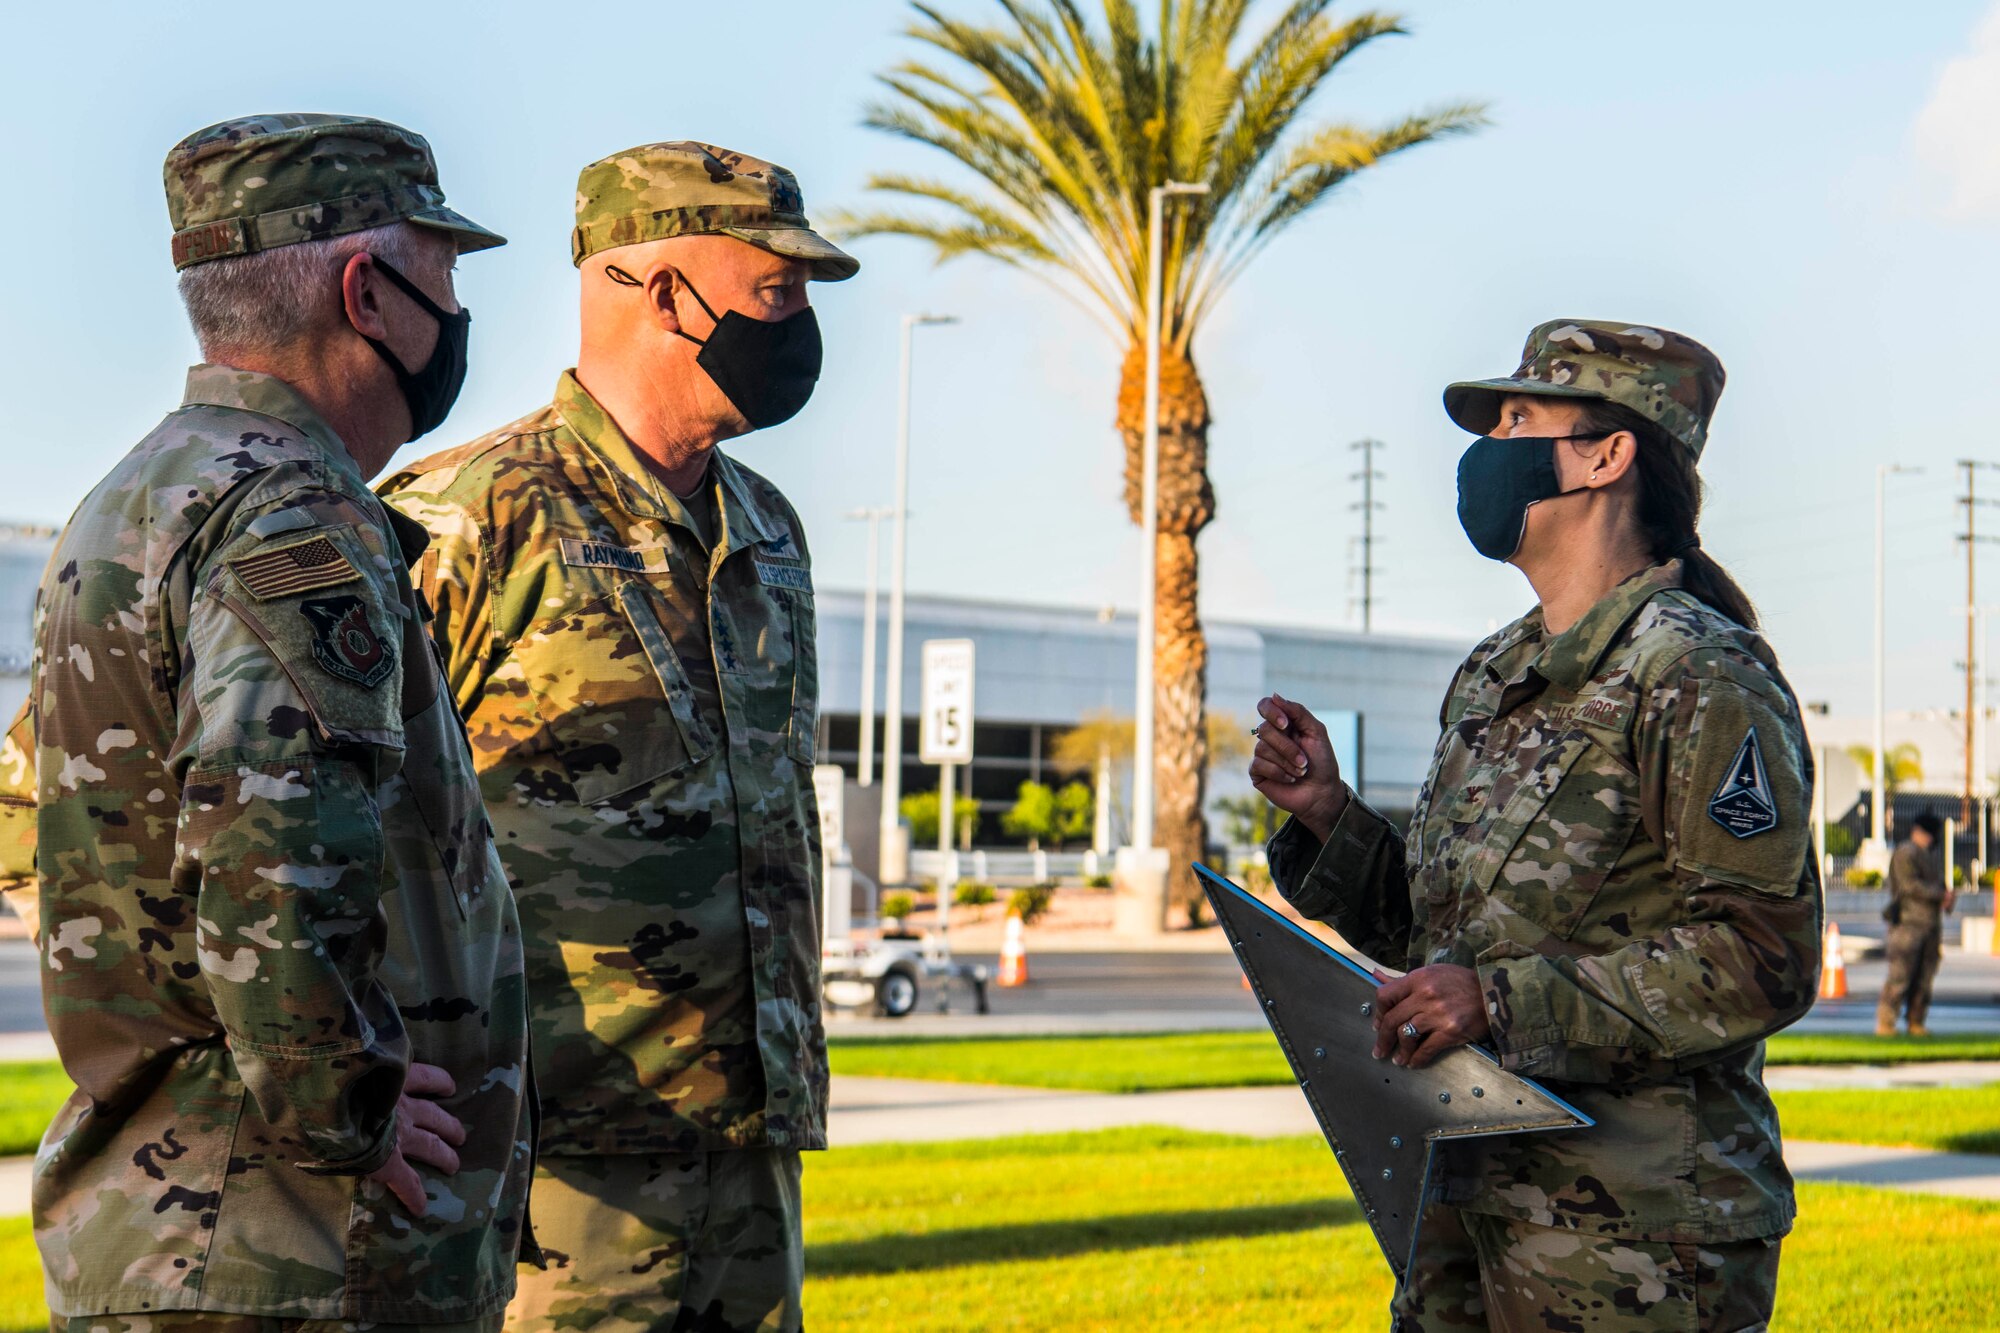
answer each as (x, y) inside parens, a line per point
(891, 1110)
(878, 1110)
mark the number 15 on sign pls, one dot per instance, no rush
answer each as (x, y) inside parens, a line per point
(945, 735)
(944, 738)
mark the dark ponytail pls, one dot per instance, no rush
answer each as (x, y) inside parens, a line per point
(1670, 507)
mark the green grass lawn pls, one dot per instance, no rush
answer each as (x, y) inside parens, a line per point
(21, 1307)
(1947, 1119)
(30, 1093)
(1160, 1229)
(1157, 1062)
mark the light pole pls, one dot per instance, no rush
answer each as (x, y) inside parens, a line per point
(1142, 871)
(874, 519)
(1149, 502)
(1876, 854)
(894, 864)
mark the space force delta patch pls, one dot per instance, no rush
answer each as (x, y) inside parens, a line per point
(1743, 804)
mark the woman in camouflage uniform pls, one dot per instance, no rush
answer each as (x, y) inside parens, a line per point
(1605, 878)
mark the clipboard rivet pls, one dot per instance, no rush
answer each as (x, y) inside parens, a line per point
(1319, 1052)
(1388, 1174)
(1395, 1140)
(1444, 1096)
(1367, 1009)
(1479, 1092)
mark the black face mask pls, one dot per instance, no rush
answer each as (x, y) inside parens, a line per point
(431, 391)
(1498, 479)
(766, 368)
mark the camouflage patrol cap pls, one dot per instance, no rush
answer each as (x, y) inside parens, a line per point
(685, 188)
(259, 182)
(1667, 378)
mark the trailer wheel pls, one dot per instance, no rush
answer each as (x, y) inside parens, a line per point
(896, 993)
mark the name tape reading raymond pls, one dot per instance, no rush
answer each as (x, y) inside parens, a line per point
(604, 555)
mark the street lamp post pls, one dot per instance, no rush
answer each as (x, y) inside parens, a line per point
(894, 865)
(1144, 875)
(1876, 854)
(874, 519)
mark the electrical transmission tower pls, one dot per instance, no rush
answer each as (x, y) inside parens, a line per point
(1361, 571)
(1972, 538)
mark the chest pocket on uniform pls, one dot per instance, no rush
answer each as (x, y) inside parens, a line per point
(1560, 834)
(802, 743)
(615, 697)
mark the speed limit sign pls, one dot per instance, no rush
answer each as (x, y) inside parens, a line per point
(945, 733)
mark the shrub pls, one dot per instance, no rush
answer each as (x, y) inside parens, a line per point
(1031, 902)
(1104, 881)
(1255, 877)
(1857, 878)
(1841, 840)
(898, 905)
(973, 894)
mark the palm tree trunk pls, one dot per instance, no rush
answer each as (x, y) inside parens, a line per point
(1180, 679)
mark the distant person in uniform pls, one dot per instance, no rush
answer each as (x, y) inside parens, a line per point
(626, 613)
(1918, 900)
(1606, 877)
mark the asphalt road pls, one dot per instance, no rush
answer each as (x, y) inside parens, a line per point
(1158, 992)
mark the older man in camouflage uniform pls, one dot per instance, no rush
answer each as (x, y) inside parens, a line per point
(1607, 878)
(627, 619)
(279, 956)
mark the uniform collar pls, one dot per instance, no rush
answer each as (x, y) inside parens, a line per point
(1572, 657)
(745, 522)
(269, 396)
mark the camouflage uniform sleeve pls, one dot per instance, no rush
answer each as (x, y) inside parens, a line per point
(18, 880)
(291, 721)
(1724, 784)
(1354, 882)
(1910, 876)
(455, 578)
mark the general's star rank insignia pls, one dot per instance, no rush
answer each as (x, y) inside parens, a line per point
(1742, 804)
(345, 644)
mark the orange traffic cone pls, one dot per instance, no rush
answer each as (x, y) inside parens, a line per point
(1833, 970)
(1013, 955)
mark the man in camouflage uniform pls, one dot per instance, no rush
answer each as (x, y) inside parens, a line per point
(627, 619)
(278, 954)
(1918, 900)
(1606, 878)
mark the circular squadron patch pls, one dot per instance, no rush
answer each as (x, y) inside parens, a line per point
(345, 644)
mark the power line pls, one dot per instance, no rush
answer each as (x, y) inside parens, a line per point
(1364, 571)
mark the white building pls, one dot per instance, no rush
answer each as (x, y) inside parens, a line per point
(1042, 669)
(24, 551)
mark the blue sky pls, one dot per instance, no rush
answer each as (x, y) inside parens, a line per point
(1809, 188)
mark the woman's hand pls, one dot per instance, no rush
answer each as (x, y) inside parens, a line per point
(1293, 765)
(1440, 1003)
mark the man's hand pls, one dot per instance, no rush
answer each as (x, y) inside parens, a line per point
(1293, 765)
(1441, 1002)
(425, 1132)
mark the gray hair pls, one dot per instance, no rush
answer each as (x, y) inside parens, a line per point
(259, 302)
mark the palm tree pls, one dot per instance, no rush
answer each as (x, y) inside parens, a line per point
(1905, 764)
(1067, 123)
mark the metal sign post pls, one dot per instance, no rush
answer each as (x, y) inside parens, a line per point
(836, 870)
(944, 738)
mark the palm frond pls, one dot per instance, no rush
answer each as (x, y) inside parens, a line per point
(1067, 113)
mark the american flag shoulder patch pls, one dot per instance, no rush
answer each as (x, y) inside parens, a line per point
(289, 570)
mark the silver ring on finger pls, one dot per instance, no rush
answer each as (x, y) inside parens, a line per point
(1410, 1031)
